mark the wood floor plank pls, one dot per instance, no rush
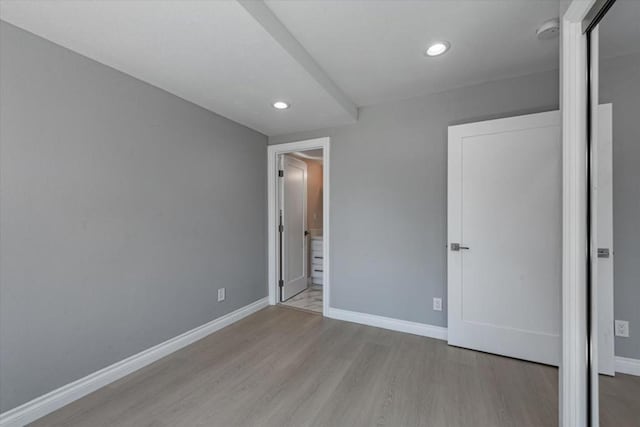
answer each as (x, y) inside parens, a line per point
(282, 367)
(351, 402)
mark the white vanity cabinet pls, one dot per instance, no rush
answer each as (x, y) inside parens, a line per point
(317, 258)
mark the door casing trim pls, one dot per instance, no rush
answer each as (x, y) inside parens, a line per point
(574, 378)
(273, 151)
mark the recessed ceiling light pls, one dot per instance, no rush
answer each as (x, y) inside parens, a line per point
(280, 105)
(437, 49)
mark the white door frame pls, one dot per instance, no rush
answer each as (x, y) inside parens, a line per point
(574, 373)
(273, 151)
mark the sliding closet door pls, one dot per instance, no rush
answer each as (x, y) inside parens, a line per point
(615, 215)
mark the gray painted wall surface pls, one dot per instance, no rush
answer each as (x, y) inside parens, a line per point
(123, 208)
(389, 192)
(620, 85)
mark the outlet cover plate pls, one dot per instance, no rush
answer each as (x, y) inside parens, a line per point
(221, 294)
(622, 328)
(437, 304)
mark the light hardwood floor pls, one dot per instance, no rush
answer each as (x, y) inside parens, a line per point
(285, 367)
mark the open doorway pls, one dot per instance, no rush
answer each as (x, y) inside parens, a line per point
(300, 237)
(298, 225)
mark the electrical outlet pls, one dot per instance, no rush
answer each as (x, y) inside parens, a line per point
(221, 294)
(622, 328)
(437, 304)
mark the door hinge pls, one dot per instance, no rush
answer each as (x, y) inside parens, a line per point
(281, 283)
(280, 228)
(603, 253)
(280, 173)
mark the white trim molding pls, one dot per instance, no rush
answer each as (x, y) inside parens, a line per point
(573, 106)
(273, 151)
(625, 365)
(56, 399)
(415, 328)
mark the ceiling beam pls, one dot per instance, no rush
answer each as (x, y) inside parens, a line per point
(270, 22)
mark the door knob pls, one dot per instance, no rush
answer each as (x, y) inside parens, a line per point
(457, 247)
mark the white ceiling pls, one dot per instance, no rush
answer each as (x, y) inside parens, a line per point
(212, 53)
(236, 57)
(309, 154)
(374, 49)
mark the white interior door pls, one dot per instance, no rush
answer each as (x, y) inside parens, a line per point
(505, 206)
(293, 208)
(603, 234)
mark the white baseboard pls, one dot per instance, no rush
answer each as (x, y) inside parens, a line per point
(415, 328)
(66, 394)
(56, 399)
(625, 365)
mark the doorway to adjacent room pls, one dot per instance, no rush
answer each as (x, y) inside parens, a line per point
(298, 225)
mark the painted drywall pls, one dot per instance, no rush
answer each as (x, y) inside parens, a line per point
(620, 85)
(389, 192)
(123, 209)
(314, 194)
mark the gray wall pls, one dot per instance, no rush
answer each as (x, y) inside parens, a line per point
(123, 208)
(388, 193)
(620, 85)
